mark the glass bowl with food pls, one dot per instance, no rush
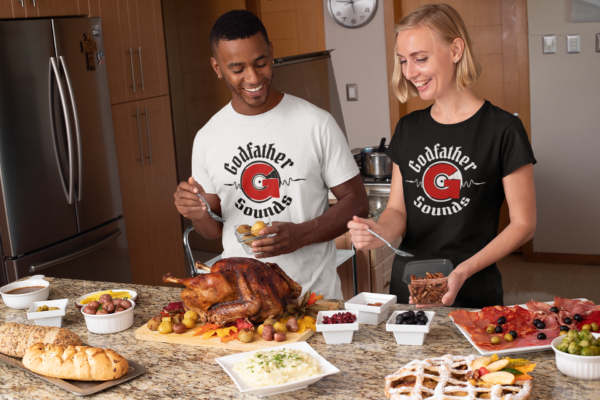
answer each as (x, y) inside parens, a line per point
(249, 232)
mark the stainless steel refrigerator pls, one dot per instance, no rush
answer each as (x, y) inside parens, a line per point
(60, 199)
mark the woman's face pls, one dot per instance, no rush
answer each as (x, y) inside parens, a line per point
(427, 61)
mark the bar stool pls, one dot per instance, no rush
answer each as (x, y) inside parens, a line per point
(341, 257)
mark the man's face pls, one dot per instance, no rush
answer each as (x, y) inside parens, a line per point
(246, 66)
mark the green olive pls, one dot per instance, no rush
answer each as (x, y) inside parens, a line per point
(495, 340)
(165, 327)
(491, 329)
(594, 327)
(270, 321)
(53, 308)
(508, 337)
(562, 333)
(246, 335)
(587, 326)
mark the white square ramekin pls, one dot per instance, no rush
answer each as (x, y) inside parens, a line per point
(337, 333)
(371, 315)
(413, 335)
(48, 318)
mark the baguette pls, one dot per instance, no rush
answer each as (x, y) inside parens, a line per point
(15, 338)
(80, 363)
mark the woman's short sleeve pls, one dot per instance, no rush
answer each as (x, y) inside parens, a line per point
(393, 150)
(516, 150)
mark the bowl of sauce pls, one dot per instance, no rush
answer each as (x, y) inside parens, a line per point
(20, 295)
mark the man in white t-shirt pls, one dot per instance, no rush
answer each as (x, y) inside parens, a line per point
(268, 155)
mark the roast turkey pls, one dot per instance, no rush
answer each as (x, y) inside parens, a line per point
(238, 287)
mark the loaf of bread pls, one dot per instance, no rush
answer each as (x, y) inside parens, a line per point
(15, 338)
(80, 363)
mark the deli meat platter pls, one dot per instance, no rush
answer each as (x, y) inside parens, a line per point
(545, 345)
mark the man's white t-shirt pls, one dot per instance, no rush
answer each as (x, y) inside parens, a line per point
(279, 164)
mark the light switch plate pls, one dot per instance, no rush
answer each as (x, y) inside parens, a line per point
(352, 92)
(573, 44)
(597, 42)
(549, 44)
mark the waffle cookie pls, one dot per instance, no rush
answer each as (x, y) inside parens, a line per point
(448, 378)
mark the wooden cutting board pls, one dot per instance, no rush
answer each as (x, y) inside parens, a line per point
(143, 333)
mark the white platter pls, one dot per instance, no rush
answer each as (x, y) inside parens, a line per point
(519, 350)
(228, 362)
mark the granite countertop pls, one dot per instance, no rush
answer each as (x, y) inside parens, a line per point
(186, 372)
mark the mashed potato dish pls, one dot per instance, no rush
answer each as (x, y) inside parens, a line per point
(268, 368)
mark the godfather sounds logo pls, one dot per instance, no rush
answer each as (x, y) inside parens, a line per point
(442, 180)
(257, 169)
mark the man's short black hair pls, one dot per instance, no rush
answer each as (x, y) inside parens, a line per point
(236, 24)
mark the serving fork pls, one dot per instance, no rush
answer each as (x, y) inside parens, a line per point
(212, 214)
(399, 252)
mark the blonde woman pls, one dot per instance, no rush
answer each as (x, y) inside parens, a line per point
(454, 164)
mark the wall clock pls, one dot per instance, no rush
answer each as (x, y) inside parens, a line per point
(352, 13)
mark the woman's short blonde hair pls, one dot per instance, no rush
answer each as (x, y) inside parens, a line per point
(446, 21)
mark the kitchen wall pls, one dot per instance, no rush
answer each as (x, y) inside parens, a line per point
(565, 96)
(360, 57)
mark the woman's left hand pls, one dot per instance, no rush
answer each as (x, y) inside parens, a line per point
(456, 280)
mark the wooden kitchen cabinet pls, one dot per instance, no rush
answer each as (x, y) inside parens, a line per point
(146, 157)
(135, 48)
(374, 268)
(42, 8)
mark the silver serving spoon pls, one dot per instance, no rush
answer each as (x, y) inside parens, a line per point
(399, 252)
(212, 214)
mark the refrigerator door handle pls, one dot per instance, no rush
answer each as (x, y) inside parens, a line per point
(137, 115)
(148, 133)
(22, 3)
(141, 68)
(61, 92)
(77, 129)
(33, 1)
(52, 129)
(132, 73)
(47, 264)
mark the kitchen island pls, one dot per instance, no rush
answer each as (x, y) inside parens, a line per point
(186, 372)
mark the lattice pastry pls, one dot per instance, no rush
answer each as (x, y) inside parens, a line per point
(448, 378)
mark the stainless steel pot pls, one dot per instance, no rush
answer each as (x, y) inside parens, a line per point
(374, 163)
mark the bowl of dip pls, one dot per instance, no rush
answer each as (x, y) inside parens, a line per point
(20, 295)
(283, 376)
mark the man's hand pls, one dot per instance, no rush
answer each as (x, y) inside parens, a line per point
(187, 202)
(288, 238)
(363, 239)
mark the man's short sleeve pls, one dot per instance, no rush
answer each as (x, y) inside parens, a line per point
(199, 171)
(516, 150)
(338, 165)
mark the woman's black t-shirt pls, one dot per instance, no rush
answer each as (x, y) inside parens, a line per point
(452, 181)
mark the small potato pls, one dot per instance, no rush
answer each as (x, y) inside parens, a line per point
(176, 319)
(102, 312)
(153, 324)
(279, 337)
(104, 298)
(260, 328)
(191, 315)
(94, 304)
(243, 229)
(179, 328)
(165, 327)
(188, 322)
(108, 306)
(268, 333)
(119, 309)
(258, 225)
(270, 321)
(89, 310)
(246, 335)
(292, 325)
(280, 327)
(126, 304)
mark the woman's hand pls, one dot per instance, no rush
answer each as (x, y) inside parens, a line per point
(456, 280)
(362, 239)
